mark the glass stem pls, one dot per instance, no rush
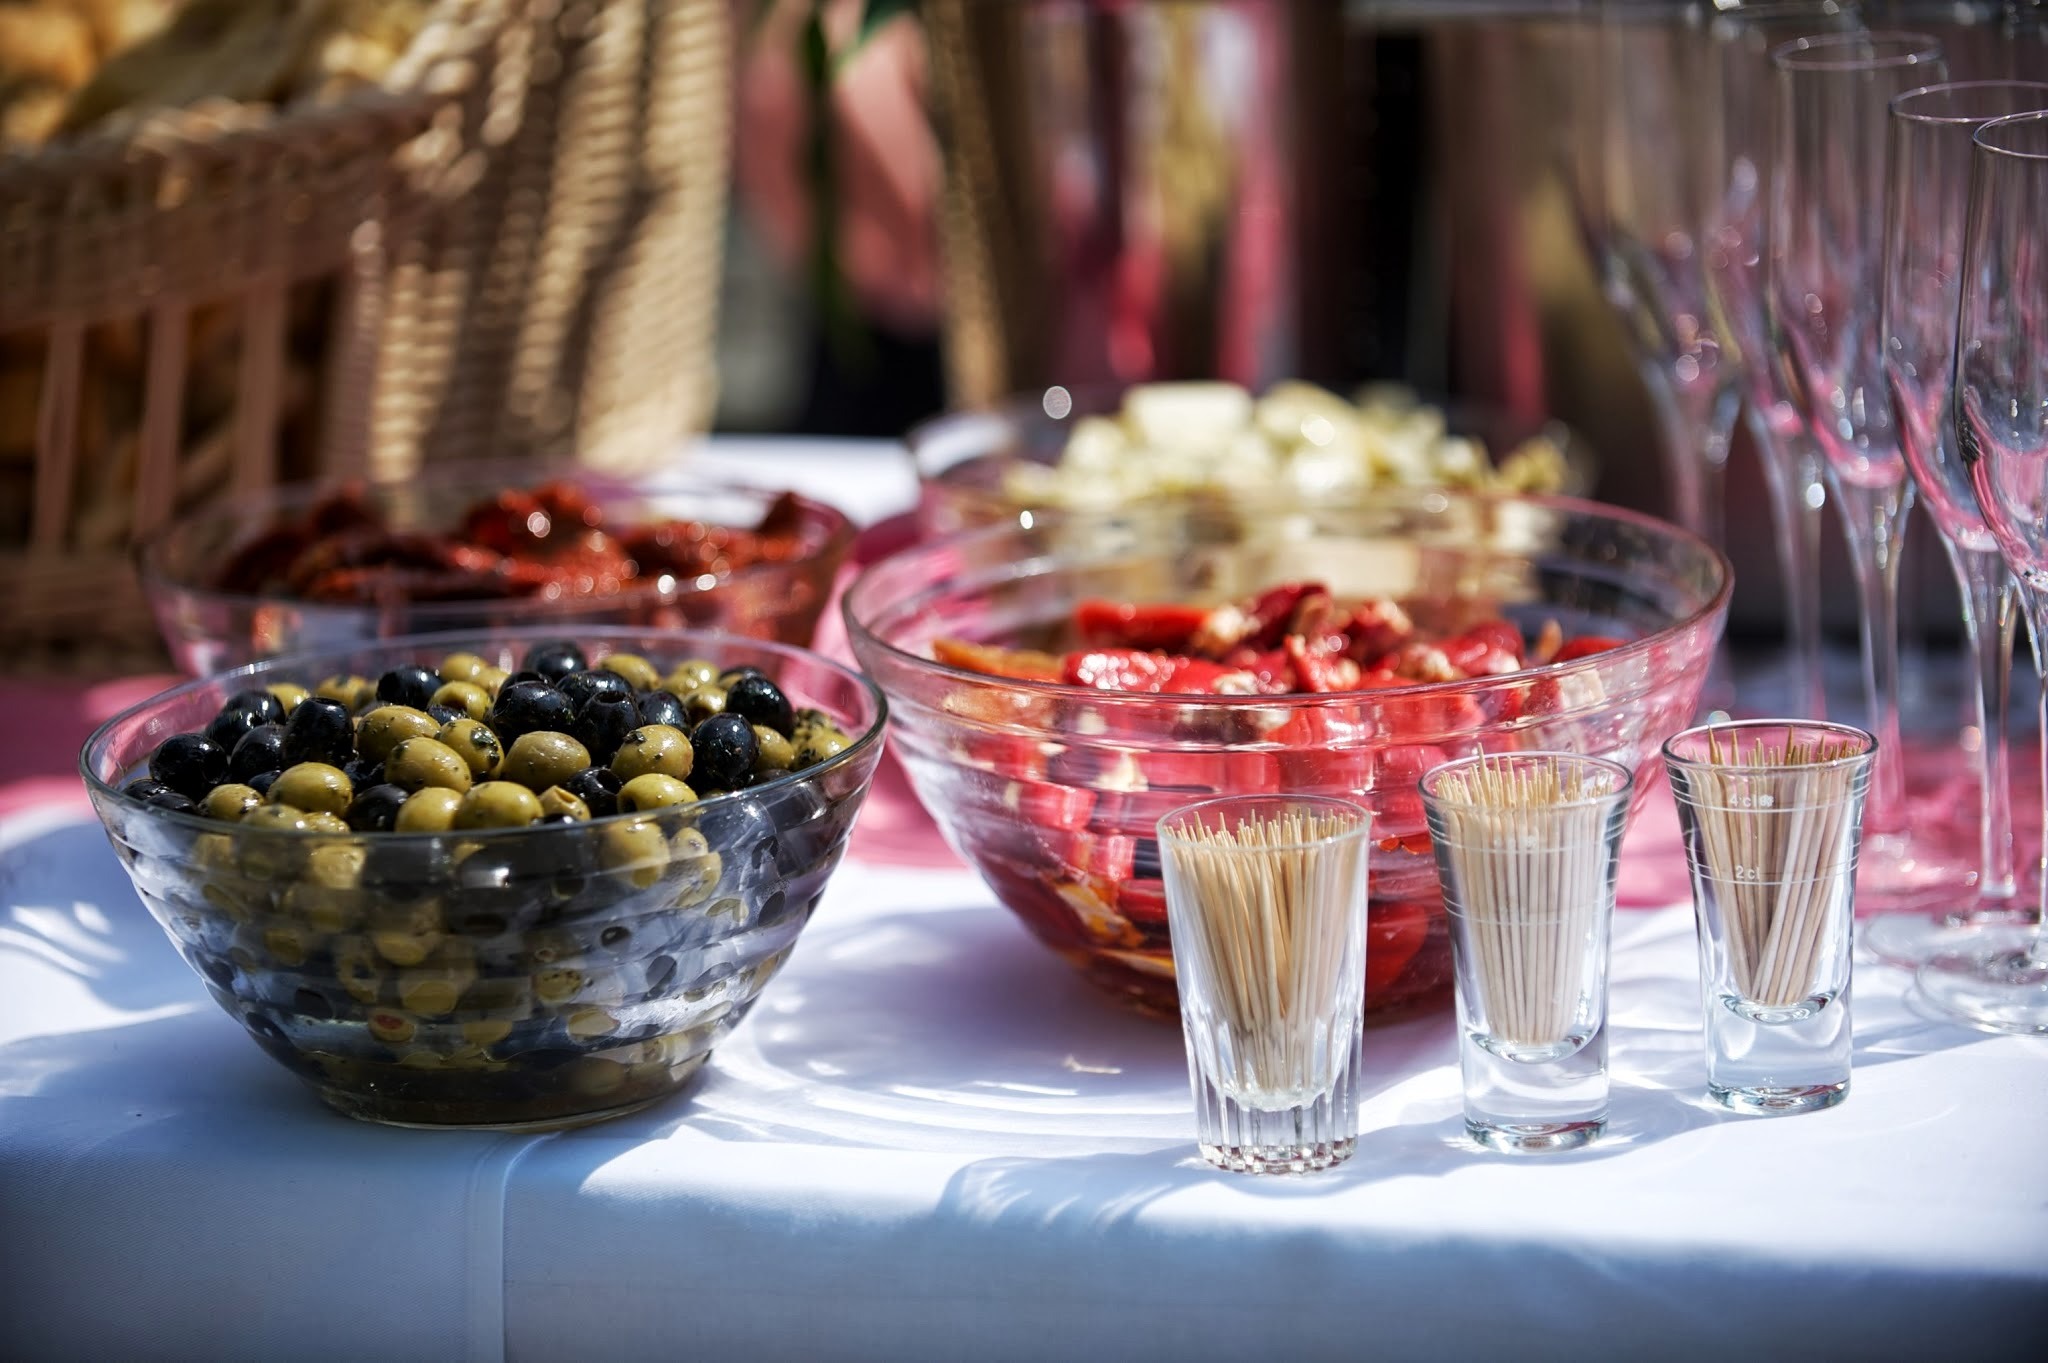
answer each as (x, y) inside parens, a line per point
(1792, 475)
(1874, 521)
(2037, 634)
(1696, 421)
(1988, 618)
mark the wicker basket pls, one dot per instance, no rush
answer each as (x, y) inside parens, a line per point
(512, 248)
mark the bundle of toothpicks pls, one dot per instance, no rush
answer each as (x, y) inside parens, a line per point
(1776, 839)
(1273, 930)
(1527, 844)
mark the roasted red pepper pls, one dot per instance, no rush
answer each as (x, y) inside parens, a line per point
(1108, 624)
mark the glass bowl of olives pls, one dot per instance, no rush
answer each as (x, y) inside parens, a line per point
(515, 880)
(481, 546)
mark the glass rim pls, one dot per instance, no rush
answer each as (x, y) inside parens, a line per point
(1624, 786)
(1336, 804)
(1737, 726)
(1813, 52)
(1990, 147)
(1897, 109)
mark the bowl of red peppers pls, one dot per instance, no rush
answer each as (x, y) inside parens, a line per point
(1055, 688)
(475, 547)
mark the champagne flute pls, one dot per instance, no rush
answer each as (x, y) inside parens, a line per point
(1653, 152)
(1928, 195)
(2001, 415)
(1737, 38)
(1825, 282)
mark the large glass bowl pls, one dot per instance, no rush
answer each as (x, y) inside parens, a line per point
(208, 630)
(520, 978)
(964, 458)
(1052, 792)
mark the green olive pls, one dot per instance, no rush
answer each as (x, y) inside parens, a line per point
(558, 985)
(404, 948)
(476, 744)
(818, 746)
(776, 753)
(686, 677)
(691, 842)
(320, 821)
(387, 726)
(654, 748)
(810, 717)
(634, 850)
(266, 858)
(358, 967)
(702, 703)
(638, 672)
(277, 817)
(467, 697)
(498, 804)
(462, 667)
(288, 944)
(545, 758)
(653, 791)
(335, 865)
(230, 802)
(421, 762)
(326, 910)
(554, 800)
(288, 694)
(353, 691)
(431, 809)
(314, 787)
(392, 1028)
(437, 986)
(491, 678)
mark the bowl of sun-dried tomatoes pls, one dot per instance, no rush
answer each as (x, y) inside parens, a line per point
(475, 547)
(1055, 688)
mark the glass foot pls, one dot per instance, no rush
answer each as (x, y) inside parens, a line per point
(1899, 872)
(1534, 1138)
(1911, 940)
(1279, 1159)
(2000, 990)
(1779, 1102)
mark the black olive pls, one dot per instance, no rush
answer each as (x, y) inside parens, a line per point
(190, 764)
(231, 726)
(555, 659)
(529, 707)
(725, 749)
(525, 674)
(261, 749)
(375, 810)
(1145, 859)
(546, 820)
(408, 684)
(603, 723)
(579, 687)
(760, 701)
(447, 714)
(663, 707)
(161, 796)
(267, 708)
(320, 730)
(733, 674)
(312, 1003)
(261, 781)
(598, 788)
(362, 773)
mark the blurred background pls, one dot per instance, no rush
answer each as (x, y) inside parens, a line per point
(250, 241)
(1036, 191)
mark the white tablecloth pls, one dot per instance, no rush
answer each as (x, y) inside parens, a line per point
(931, 1140)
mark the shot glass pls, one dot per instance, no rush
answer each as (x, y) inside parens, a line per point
(1527, 851)
(1265, 905)
(1772, 812)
